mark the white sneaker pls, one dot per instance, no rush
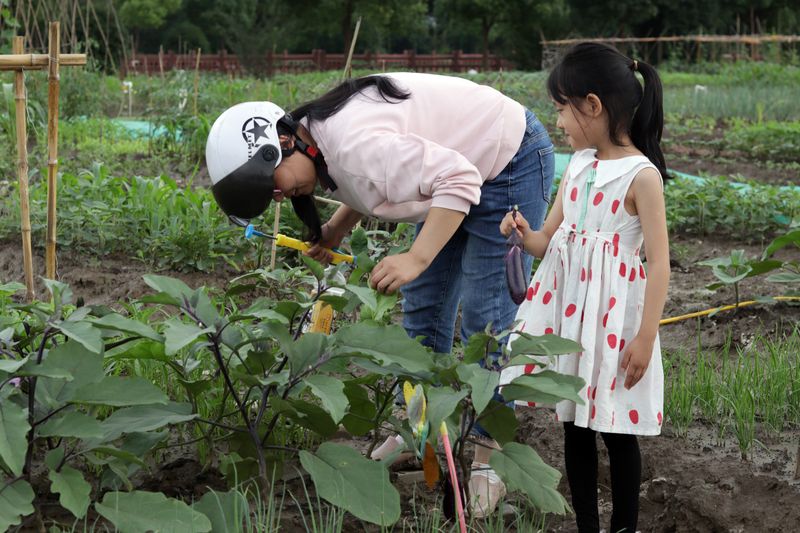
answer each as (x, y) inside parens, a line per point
(389, 447)
(486, 489)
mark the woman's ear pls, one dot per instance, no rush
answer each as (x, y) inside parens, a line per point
(595, 106)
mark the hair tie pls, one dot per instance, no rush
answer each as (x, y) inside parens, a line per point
(635, 66)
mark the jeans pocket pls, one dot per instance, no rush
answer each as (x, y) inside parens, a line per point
(547, 166)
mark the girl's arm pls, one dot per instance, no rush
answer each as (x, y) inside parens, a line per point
(648, 197)
(536, 242)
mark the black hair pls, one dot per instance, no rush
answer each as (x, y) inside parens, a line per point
(594, 68)
(334, 100)
(325, 107)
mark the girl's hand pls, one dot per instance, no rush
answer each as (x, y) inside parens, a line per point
(394, 271)
(510, 223)
(331, 238)
(636, 360)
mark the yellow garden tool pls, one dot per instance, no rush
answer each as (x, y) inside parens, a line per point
(288, 242)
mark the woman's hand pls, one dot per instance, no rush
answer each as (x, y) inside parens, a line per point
(331, 238)
(510, 223)
(394, 271)
(636, 360)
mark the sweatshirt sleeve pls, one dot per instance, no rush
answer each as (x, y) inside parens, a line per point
(417, 167)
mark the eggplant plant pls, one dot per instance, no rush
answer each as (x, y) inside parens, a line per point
(70, 407)
(62, 415)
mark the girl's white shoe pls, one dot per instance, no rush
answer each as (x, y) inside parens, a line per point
(486, 489)
(389, 446)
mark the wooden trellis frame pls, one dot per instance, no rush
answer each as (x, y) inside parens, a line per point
(20, 62)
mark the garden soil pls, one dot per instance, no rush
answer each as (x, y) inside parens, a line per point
(691, 483)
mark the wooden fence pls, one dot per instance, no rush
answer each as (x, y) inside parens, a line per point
(689, 48)
(317, 60)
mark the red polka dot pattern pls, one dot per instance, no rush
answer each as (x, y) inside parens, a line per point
(612, 340)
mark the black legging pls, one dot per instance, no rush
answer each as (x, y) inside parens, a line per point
(580, 454)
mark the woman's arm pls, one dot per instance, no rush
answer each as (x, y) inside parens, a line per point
(333, 232)
(648, 197)
(395, 271)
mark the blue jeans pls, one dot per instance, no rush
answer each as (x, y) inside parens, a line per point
(470, 269)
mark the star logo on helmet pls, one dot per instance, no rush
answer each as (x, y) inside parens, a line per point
(254, 129)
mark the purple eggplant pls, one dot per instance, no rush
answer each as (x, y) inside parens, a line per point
(516, 277)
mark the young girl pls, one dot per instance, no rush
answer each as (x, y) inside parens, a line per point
(591, 286)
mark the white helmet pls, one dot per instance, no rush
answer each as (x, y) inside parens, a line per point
(242, 152)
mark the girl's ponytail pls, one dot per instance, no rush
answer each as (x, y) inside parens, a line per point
(648, 120)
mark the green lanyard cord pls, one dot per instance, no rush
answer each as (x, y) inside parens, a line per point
(589, 183)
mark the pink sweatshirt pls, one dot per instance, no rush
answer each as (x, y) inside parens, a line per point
(396, 161)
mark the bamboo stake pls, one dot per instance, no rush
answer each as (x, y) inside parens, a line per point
(39, 61)
(275, 230)
(196, 82)
(52, 149)
(348, 65)
(161, 60)
(22, 173)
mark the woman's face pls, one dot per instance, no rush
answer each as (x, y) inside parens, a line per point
(295, 176)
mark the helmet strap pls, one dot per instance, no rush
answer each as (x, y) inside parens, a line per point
(311, 152)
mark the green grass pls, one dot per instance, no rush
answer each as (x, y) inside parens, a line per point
(748, 391)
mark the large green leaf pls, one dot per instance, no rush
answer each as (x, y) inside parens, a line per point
(72, 489)
(226, 510)
(180, 334)
(16, 501)
(366, 295)
(499, 421)
(793, 237)
(543, 345)
(521, 468)
(345, 478)
(306, 351)
(85, 367)
(784, 277)
(331, 392)
(361, 412)
(303, 352)
(171, 286)
(483, 383)
(545, 387)
(14, 428)
(120, 392)
(117, 322)
(84, 333)
(12, 365)
(142, 512)
(386, 344)
(143, 418)
(62, 294)
(306, 415)
(314, 266)
(71, 424)
(49, 368)
(140, 349)
(476, 347)
(442, 401)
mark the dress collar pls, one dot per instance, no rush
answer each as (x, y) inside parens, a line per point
(607, 169)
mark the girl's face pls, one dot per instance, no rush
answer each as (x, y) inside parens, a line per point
(295, 176)
(578, 124)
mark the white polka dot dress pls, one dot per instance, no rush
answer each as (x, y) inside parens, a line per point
(590, 288)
